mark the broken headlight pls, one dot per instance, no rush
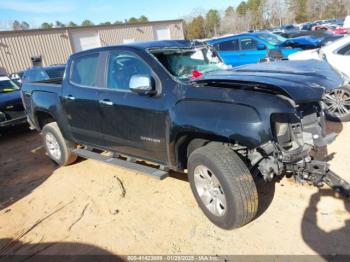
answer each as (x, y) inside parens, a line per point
(287, 131)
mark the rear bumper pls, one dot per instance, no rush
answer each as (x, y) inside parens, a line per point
(14, 122)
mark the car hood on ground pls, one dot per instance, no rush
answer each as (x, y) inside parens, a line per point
(303, 81)
(10, 98)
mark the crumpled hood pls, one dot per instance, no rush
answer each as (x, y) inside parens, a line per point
(303, 81)
(302, 41)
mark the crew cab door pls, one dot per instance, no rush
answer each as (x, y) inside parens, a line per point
(249, 52)
(133, 124)
(229, 52)
(80, 99)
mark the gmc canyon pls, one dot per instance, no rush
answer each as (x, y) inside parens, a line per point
(176, 105)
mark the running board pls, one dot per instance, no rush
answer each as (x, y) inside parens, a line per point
(150, 171)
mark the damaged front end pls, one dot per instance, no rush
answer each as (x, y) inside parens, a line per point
(295, 137)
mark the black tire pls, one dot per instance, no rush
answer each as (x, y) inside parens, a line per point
(342, 95)
(236, 182)
(66, 157)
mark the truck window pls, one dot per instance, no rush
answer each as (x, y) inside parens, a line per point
(248, 44)
(231, 45)
(83, 71)
(345, 50)
(121, 67)
(35, 75)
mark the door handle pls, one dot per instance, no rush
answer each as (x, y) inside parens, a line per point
(106, 102)
(69, 97)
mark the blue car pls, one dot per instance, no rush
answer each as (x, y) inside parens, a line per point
(249, 48)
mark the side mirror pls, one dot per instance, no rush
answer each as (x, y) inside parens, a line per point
(142, 84)
(261, 47)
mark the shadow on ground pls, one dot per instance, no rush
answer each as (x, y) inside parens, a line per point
(335, 242)
(23, 164)
(14, 250)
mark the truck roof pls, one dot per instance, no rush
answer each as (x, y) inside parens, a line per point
(151, 45)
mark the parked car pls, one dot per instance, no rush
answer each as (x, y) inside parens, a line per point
(249, 48)
(289, 29)
(337, 55)
(11, 108)
(331, 28)
(171, 103)
(17, 77)
(36, 74)
(318, 38)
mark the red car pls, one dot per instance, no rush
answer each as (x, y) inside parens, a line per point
(334, 29)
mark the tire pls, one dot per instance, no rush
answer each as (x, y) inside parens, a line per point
(57, 148)
(337, 104)
(231, 179)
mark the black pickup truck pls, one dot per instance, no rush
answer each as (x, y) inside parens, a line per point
(174, 104)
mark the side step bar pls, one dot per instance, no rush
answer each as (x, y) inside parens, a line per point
(153, 172)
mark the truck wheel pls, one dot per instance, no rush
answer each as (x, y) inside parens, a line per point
(337, 104)
(58, 149)
(223, 186)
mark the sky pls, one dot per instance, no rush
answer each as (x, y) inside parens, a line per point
(36, 12)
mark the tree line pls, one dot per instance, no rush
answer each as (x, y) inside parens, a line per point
(17, 25)
(261, 14)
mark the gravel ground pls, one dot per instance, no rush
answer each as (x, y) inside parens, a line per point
(93, 208)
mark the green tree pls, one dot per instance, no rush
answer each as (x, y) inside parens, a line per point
(16, 25)
(59, 24)
(195, 28)
(46, 25)
(133, 20)
(105, 23)
(212, 22)
(242, 8)
(72, 24)
(118, 22)
(87, 23)
(143, 19)
(300, 11)
(229, 11)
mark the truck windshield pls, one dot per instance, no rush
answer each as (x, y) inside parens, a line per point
(188, 63)
(7, 86)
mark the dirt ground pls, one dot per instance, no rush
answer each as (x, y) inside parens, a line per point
(93, 208)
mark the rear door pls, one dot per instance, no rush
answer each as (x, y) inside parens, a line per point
(249, 52)
(133, 124)
(229, 52)
(80, 99)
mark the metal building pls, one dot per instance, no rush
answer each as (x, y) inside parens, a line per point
(53, 46)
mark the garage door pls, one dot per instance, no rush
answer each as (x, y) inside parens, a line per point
(85, 40)
(162, 33)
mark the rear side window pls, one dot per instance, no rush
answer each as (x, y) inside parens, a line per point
(248, 44)
(35, 75)
(55, 72)
(83, 71)
(345, 50)
(231, 45)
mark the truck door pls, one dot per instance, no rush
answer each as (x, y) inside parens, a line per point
(133, 124)
(80, 99)
(250, 53)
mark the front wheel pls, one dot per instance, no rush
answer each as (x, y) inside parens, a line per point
(337, 104)
(223, 186)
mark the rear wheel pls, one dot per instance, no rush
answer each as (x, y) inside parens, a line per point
(58, 149)
(223, 186)
(337, 103)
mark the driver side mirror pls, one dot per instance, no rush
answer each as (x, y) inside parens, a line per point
(261, 47)
(142, 84)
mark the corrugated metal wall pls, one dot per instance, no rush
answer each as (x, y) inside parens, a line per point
(54, 45)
